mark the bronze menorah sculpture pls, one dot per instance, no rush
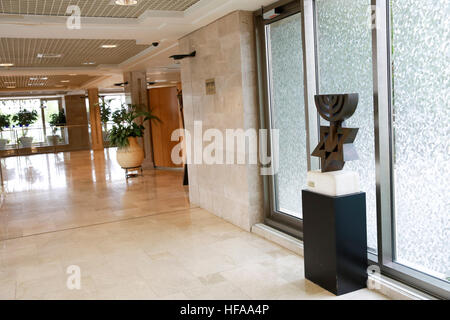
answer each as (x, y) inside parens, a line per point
(336, 143)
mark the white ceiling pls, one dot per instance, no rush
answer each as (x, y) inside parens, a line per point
(165, 27)
(91, 8)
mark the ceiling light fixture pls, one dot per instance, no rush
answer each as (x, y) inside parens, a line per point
(88, 63)
(36, 78)
(65, 81)
(126, 2)
(109, 46)
(6, 64)
(10, 87)
(49, 55)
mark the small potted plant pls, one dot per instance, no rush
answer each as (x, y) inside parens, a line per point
(56, 120)
(5, 122)
(105, 115)
(24, 119)
(125, 132)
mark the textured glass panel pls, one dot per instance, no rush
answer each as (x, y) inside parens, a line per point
(345, 66)
(421, 95)
(288, 112)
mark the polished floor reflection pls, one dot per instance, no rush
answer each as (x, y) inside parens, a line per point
(50, 192)
(135, 240)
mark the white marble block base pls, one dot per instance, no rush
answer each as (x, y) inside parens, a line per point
(336, 183)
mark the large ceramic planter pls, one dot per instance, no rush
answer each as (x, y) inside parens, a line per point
(52, 140)
(26, 142)
(3, 143)
(131, 156)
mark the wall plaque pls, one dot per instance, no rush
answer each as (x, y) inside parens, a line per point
(210, 87)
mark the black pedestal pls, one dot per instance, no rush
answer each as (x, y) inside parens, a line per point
(335, 241)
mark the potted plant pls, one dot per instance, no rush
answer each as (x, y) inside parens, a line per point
(125, 132)
(105, 115)
(56, 120)
(5, 122)
(24, 119)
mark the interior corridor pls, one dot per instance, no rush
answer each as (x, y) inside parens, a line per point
(135, 239)
(50, 192)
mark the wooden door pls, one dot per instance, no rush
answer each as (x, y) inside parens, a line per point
(164, 103)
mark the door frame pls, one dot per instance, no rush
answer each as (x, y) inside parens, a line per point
(278, 220)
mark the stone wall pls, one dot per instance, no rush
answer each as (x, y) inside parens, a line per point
(226, 53)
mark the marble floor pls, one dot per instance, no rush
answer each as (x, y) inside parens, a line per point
(50, 192)
(135, 240)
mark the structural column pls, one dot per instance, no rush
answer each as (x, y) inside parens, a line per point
(77, 122)
(137, 94)
(95, 120)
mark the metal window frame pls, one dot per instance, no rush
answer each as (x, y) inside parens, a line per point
(278, 220)
(384, 145)
(384, 140)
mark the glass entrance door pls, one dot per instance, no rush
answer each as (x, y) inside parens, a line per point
(285, 112)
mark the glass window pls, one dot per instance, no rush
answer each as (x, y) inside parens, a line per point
(345, 66)
(35, 131)
(284, 41)
(51, 107)
(115, 102)
(421, 160)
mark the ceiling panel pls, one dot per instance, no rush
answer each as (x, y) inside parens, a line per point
(38, 82)
(91, 8)
(74, 52)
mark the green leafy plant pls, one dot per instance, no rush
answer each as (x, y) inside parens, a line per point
(126, 126)
(57, 120)
(5, 122)
(24, 119)
(105, 112)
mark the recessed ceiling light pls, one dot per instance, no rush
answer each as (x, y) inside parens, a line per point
(9, 82)
(109, 46)
(65, 80)
(36, 84)
(88, 63)
(38, 78)
(6, 64)
(49, 55)
(10, 87)
(126, 2)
